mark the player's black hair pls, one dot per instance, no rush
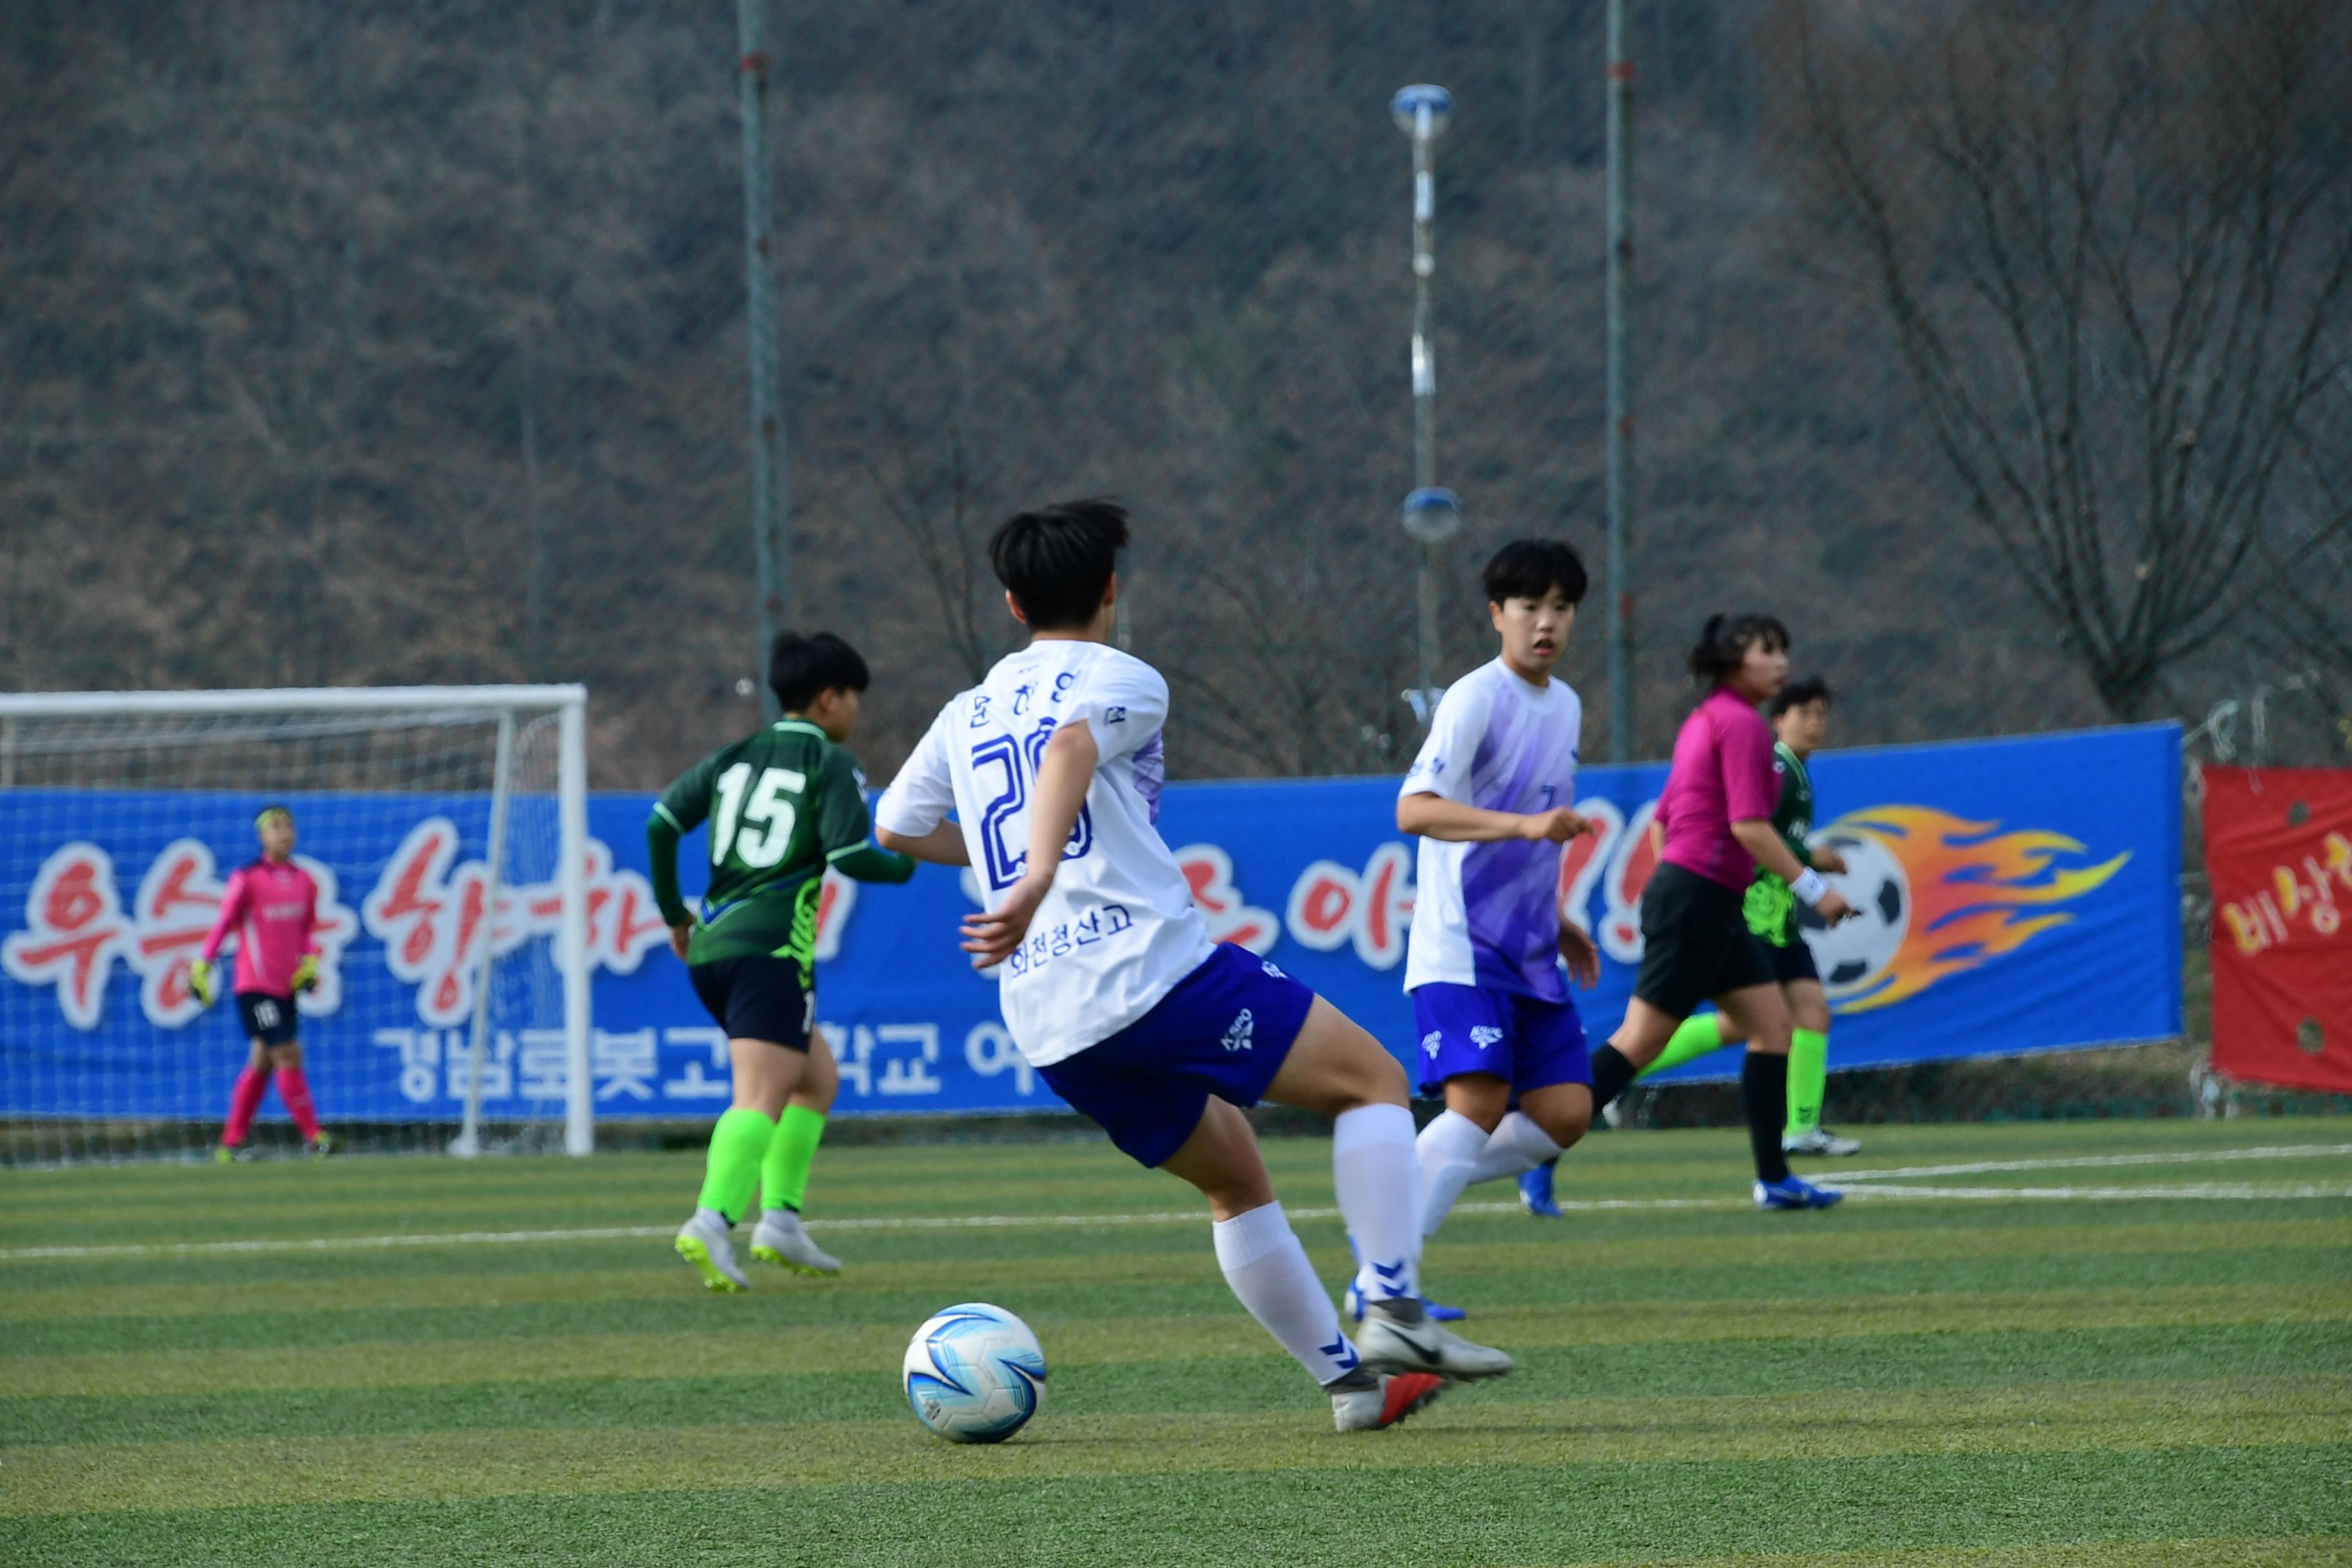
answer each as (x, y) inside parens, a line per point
(800, 668)
(1798, 692)
(1531, 568)
(1724, 642)
(1058, 560)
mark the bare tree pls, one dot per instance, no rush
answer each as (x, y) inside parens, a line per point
(2114, 241)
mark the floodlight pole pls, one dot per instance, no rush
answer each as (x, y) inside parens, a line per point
(1620, 385)
(768, 499)
(1431, 514)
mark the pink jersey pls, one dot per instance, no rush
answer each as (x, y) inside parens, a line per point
(1722, 773)
(273, 909)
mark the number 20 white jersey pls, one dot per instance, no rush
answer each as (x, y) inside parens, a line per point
(1119, 930)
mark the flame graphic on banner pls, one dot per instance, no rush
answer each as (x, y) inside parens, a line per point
(1940, 895)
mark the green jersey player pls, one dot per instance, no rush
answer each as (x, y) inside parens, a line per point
(785, 804)
(1800, 716)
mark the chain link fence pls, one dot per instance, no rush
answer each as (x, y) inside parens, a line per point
(405, 343)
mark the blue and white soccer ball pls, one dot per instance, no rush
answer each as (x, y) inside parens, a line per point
(975, 1374)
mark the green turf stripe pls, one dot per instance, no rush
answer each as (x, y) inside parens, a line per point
(777, 1346)
(2236, 1551)
(1828, 1258)
(1793, 1371)
(1468, 1429)
(1459, 1515)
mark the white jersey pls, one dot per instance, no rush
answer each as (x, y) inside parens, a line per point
(1488, 914)
(1117, 929)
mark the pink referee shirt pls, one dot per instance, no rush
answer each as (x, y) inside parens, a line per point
(272, 909)
(1722, 773)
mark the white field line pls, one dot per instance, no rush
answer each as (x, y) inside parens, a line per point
(2088, 1161)
(2206, 1191)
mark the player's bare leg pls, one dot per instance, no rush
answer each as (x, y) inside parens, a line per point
(780, 1238)
(766, 1072)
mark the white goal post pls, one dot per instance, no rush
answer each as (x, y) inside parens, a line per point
(483, 789)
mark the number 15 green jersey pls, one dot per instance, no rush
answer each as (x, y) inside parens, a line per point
(782, 804)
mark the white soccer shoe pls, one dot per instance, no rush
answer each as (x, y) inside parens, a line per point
(703, 1241)
(1386, 1402)
(780, 1239)
(1389, 1345)
(1820, 1140)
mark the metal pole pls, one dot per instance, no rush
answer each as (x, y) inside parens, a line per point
(768, 500)
(469, 1131)
(1424, 372)
(1422, 112)
(572, 940)
(1621, 384)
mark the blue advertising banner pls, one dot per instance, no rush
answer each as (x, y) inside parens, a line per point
(2017, 896)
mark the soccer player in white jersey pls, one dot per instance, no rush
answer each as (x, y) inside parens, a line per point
(1491, 797)
(1113, 991)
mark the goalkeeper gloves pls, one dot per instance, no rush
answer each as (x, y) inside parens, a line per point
(306, 973)
(200, 981)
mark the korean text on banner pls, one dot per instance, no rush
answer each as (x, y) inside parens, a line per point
(2278, 847)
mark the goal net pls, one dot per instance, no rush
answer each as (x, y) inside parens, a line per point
(445, 829)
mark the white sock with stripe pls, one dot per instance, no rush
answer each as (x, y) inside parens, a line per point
(1270, 1274)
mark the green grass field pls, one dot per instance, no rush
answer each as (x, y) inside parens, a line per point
(2149, 1362)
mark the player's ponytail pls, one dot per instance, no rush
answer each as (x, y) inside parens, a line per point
(1723, 643)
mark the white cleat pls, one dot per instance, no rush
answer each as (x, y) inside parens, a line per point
(1387, 1344)
(703, 1241)
(781, 1240)
(1386, 1402)
(1820, 1140)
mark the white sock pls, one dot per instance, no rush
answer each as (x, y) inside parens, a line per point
(1377, 1175)
(1269, 1273)
(1449, 1149)
(1518, 1145)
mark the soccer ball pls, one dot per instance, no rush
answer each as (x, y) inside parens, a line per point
(1854, 953)
(975, 1374)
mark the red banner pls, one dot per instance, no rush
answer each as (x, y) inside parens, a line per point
(2278, 847)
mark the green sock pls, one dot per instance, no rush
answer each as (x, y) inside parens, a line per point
(737, 1144)
(1808, 1074)
(1700, 1033)
(783, 1175)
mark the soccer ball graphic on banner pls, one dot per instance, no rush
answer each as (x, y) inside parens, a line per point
(975, 1374)
(1854, 953)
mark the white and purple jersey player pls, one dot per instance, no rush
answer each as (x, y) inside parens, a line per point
(1483, 960)
(1116, 995)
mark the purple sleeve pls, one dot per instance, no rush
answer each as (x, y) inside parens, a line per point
(1750, 790)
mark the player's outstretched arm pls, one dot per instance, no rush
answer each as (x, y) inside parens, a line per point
(1452, 822)
(942, 845)
(1064, 776)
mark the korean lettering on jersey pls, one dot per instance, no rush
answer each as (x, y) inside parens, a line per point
(2017, 896)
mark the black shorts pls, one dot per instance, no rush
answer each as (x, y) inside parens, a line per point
(1792, 961)
(267, 1019)
(757, 997)
(1695, 942)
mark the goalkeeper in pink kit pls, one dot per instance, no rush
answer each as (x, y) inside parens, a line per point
(272, 907)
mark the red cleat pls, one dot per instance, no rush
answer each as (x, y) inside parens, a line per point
(1398, 1396)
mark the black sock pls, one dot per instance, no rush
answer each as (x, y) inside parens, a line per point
(1764, 1088)
(1611, 1073)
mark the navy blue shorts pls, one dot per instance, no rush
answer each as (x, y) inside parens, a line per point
(1224, 1030)
(267, 1019)
(1524, 1040)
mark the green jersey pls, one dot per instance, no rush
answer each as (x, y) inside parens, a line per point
(782, 804)
(1771, 904)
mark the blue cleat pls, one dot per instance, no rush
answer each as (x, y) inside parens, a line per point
(1796, 1192)
(1535, 1191)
